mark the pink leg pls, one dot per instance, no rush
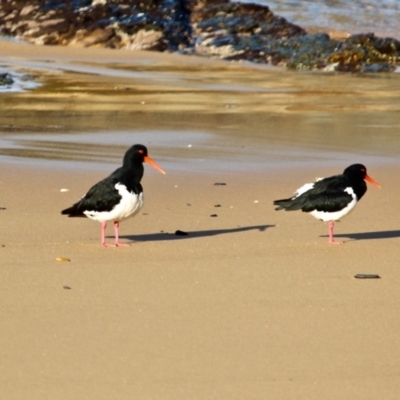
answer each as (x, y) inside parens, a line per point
(103, 235)
(331, 240)
(116, 230)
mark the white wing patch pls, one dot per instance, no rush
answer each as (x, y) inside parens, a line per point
(334, 216)
(306, 188)
(303, 189)
(129, 205)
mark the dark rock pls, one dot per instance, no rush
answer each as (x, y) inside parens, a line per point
(367, 276)
(229, 30)
(238, 31)
(180, 233)
(6, 79)
(366, 53)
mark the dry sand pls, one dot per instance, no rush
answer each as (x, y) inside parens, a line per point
(253, 303)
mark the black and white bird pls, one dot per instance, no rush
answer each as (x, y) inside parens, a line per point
(330, 199)
(118, 196)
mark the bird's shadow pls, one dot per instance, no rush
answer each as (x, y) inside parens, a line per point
(369, 235)
(154, 237)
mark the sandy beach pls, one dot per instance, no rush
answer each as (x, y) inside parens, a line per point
(252, 303)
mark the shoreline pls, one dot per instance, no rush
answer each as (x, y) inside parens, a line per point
(171, 102)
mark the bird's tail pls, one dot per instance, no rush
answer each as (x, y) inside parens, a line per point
(286, 204)
(72, 212)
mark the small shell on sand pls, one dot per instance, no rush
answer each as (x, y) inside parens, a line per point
(63, 259)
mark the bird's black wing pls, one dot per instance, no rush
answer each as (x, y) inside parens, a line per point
(101, 197)
(326, 202)
(325, 195)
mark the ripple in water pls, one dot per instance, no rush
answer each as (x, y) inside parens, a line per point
(357, 16)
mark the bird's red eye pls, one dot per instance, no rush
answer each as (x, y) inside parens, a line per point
(140, 151)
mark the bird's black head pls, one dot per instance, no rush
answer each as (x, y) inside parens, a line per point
(137, 155)
(357, 172)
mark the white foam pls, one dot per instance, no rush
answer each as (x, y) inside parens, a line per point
(21, 82)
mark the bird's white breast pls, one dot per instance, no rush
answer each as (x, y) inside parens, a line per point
(129, 205)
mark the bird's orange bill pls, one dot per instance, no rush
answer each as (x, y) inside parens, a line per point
(153, 164)
(370, 180)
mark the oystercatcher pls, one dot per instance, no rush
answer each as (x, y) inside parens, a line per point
(118, 196)
(330, 199)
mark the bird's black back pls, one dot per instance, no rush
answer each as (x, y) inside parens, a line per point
(328, 194)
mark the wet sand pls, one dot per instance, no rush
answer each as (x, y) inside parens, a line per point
(253, 303)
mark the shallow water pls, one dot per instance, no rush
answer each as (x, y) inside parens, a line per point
(207, 151)
(219, 117)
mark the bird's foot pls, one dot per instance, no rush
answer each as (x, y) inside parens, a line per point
(119, 244)
(104, 244)
(334, 242)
